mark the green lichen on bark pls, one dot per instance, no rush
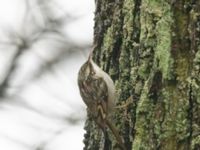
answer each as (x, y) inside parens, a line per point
(195, 85)
(142, 123)
(155, 38)
(162, 121)
(151, 49)
(156, 18)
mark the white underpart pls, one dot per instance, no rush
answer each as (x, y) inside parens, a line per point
(110, 85)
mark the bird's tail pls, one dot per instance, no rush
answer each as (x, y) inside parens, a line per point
(116, 134)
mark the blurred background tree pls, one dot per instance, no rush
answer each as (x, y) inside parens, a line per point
(40, 55)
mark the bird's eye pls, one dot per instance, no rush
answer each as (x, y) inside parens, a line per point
(93, 73)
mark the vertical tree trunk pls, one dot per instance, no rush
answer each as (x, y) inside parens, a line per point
(151, 49)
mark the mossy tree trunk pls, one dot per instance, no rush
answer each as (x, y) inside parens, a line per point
(151, 49)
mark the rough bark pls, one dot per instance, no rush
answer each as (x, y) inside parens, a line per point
(151, 49)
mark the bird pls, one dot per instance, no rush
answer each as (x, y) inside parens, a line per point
(97, 90)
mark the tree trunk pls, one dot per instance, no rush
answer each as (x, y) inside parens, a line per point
(151, 49)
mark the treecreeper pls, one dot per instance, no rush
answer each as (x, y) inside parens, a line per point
(97, 90)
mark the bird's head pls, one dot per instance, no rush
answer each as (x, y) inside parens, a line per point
(87, 71)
